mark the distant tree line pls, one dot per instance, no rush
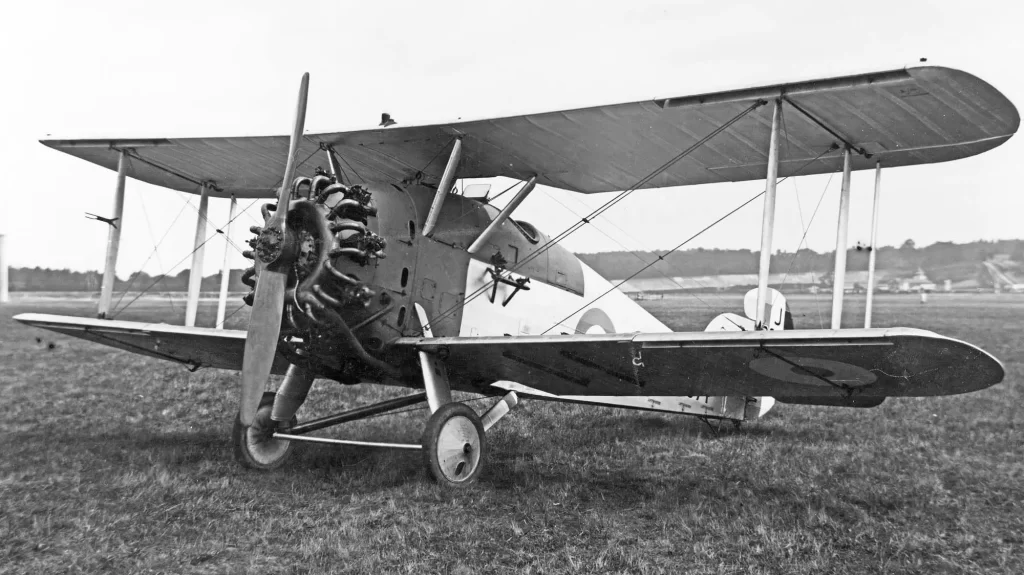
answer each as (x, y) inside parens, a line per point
(940, 261)
(44, 279)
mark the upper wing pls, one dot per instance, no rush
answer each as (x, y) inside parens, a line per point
(193, 346)
(797, 365)
(902, 117)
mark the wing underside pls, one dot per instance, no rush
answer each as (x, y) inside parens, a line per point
(193, 347)
(799, 366)
(900, 117)
(802, 366)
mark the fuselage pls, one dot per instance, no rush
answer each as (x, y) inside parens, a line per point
(384, 272)
(454, 287)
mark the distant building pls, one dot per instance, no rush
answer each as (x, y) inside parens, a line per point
(857, 281)
(918, 283)
(725, 282)
(810, 282)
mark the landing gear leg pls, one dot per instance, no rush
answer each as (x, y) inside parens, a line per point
(454, 444)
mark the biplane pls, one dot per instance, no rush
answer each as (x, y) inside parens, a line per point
(379, 269)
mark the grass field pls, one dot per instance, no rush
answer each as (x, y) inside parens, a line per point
(121, 463)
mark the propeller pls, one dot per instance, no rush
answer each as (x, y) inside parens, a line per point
(274, 253)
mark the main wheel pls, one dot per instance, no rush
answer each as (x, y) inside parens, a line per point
(454, 445)
(254, 446)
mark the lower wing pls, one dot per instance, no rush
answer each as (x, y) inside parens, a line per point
(194, 347)
(801, 366)
(833, 367)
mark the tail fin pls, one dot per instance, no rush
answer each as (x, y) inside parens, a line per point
(776, 312)
(776, 309)
(778, 318)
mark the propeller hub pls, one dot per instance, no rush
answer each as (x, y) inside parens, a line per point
(276, 247)
(270, 245)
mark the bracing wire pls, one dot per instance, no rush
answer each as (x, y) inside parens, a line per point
(503, 192)
(636, 255)
(666, 262)
(252, 217)
(438, 153)
(343, 159)
(205, 221)
(806, 230)
(162, 276)
(489, 200)
(343, 177)
(156, 247)
(159, 261)
(686, 241)
(660, 258)
(643, 181)
(232, 314)
(603, 208)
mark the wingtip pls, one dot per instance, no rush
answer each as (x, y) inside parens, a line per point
(928, 69)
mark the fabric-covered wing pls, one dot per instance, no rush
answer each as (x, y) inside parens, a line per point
(901, 117)
(806, 366)
(192, 346)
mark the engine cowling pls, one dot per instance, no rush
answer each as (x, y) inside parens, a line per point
(327, 324)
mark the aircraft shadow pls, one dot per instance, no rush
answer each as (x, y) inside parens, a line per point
(519, 458)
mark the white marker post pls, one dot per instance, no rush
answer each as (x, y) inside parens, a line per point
(4, 294)
(839, 277)
(195, 275)
(768, 219)
(874, 246)
(225, 269)
(113, 239)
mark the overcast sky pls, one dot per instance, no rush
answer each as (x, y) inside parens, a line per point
(87, 69)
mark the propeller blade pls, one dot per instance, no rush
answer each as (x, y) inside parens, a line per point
(261, 340)
(293, 149)
(268, 304)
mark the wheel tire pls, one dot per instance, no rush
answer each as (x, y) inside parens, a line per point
(253, 447)
(454, 445)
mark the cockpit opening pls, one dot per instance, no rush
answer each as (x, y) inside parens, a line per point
(527, 229)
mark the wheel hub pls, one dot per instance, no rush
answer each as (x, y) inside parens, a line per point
(456, 452)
